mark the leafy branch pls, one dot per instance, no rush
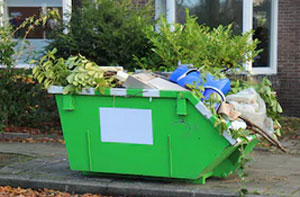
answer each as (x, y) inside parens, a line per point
(74, 73)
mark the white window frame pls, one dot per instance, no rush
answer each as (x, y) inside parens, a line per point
(2, 12)
(66, 11)
(272, 69)
(170, 11)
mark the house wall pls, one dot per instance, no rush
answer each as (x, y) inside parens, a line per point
(289, 56)
(287, 80)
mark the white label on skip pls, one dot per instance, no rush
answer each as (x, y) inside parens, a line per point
(124, 125)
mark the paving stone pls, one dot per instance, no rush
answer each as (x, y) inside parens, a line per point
(273, 174)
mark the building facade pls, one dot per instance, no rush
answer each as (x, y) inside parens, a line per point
(288, 74)
(276, 24)
(16, 11)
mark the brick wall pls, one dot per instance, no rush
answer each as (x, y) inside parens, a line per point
(289, 56)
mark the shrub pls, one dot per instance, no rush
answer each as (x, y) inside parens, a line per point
(73, 74)
(106, 32)
(22, 102)
(6, 46)
(211, 50)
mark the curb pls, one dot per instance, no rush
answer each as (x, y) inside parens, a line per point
(116, 188)
(9, 135)
(13, 135)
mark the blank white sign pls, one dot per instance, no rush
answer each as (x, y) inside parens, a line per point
(123, 125)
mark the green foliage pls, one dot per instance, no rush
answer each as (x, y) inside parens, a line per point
(51, 71)
(196, 90)
(263, 88)
(24, 103)
(106, 32)
(211, 50)
(7, 46)
(73, 74)
(20, 99)
(10, 49)
(87, 74)
(241, 133)
(244, 161)
(211, 103)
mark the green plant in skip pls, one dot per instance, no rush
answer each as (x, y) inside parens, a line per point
(240, 133)
(210, 50)
(21, 101)
(85, 75)
(74, 74)
(197, 90)
(221, 123)
(51, 71)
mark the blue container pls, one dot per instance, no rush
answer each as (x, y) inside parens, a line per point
(181, 70)
(184, 76)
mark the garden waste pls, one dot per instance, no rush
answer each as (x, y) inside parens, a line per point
(179, 126)
(161, 130)
(244, 109)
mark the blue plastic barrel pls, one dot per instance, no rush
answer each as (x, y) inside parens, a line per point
(184, 76)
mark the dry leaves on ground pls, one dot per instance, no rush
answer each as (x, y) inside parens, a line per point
(20, 192)
(15, 129)
(291, 126)
(34, 140)
(53, 128)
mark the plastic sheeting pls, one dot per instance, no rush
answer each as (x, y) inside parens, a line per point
(252, 107)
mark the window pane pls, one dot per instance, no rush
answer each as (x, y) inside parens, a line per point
(18, 10)
(262, 11)
(17, 16)
(212, 12)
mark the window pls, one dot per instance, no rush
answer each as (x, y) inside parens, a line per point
(259, 15)
(17, 16)
(16, 11)
(212, 13)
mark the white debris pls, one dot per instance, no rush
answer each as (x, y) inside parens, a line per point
(252, 107)
(147, 80)
(122, 76)
(238, 124)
